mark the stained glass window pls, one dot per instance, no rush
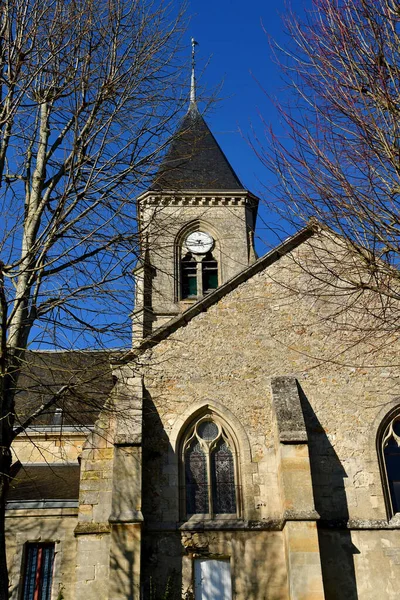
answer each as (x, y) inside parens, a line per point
(196, 480)
(391, 453)
(39, 559)
(209, 460)
(223, 479)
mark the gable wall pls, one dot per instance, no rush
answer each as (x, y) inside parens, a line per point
(227, 356)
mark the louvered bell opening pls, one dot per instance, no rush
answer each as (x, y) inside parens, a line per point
(189, 277)
(209, 273)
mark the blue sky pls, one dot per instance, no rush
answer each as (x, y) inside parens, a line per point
(234, 48)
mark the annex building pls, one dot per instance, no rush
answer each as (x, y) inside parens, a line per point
(247, 447)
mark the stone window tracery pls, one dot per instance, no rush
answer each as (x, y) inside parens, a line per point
(390, 464)
(210, 465)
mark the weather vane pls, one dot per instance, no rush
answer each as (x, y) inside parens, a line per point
(193, 81)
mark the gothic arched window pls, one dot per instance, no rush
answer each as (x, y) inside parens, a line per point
(209, 460)
(390, 463)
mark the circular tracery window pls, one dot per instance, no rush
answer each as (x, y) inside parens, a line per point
(207, 430)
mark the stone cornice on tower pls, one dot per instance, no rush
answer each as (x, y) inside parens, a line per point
(198, 198)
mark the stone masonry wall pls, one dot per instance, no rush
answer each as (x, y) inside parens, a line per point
(274, 325)
(95, 496)
(248, 554)
(227, 224)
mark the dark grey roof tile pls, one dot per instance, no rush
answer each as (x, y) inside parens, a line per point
(45, 482)
(88, 377)
(195, 159)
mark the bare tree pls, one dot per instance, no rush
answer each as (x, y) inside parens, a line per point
(89, 90)
(339, 160)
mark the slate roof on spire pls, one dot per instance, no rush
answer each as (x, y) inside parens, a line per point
(195, 160)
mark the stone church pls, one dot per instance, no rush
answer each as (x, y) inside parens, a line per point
(245, 447)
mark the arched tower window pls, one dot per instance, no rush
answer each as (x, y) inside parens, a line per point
(197, 265)
(389, 454)
(209, 469)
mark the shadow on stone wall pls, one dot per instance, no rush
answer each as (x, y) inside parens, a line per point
(336, 547)
(161, 563)
(257, 561)
(168, 554)
(123, 560)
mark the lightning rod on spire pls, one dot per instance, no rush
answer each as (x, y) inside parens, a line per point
(193, 80)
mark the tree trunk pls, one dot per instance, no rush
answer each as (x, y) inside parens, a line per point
(5, 465)
(7, 387)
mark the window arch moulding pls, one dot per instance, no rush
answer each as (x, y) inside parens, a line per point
(388, 450)
(200, 408)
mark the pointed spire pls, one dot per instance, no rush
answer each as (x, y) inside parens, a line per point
(193, 79)
(194, 160)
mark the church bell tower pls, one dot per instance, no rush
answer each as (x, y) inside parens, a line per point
(196, 224)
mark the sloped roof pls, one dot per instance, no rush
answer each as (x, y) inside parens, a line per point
(89, 374)
(45, 482)
(195, 159)
(86, 375)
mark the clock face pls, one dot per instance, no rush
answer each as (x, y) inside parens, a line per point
(199, 242)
